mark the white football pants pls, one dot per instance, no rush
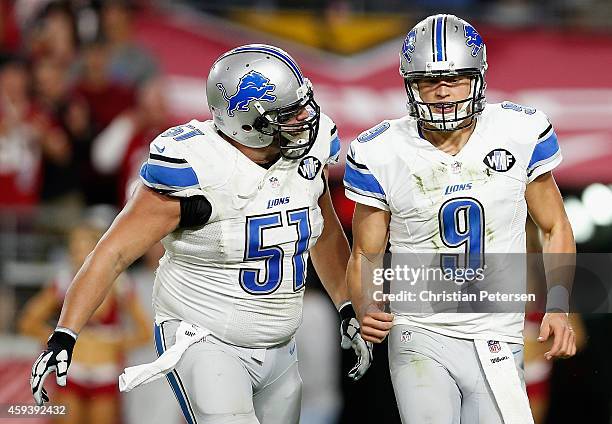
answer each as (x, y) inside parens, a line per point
(438, 379)
(218, 383)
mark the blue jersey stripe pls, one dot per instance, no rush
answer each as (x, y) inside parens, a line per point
(544, 150)
(277, 54)
(439, 56)
(172, 380)
(361, 181)
(171, 177)
(334, 148)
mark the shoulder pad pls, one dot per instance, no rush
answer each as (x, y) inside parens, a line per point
(168, 142)
(167, 169)
(526, 124)
(506, 104)
(329, 134)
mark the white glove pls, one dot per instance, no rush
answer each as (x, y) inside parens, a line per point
(56, 359)
(349, 330)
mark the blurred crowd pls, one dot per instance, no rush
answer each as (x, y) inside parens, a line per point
(80, 99)
(514, 13)
(79, 102)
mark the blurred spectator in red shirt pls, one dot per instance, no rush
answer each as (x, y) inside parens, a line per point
(19, 138)
(9, 31)
(129, 63)
(61, 156)
(54, 34)
(124, 145)
(106, 99)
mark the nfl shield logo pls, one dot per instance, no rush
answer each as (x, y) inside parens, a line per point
(494, 346)
(274, 182)
(309, 167)
(455, 168)
(406, 336)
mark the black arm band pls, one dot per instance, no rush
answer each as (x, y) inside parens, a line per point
(195, 211)
(346, 311)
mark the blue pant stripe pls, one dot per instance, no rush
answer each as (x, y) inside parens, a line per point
(178, 393)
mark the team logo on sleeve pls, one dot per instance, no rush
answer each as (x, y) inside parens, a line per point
(252, 86)
(309, 167)
(499, 160)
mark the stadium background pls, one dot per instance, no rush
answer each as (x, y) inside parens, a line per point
(73, 73)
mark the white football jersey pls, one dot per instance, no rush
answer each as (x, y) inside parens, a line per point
(241, 275)
(469, 203)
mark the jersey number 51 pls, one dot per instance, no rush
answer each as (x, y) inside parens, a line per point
(273, 254)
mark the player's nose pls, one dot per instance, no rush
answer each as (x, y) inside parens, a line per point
(302, 115)
(299, 116)
(442, 91)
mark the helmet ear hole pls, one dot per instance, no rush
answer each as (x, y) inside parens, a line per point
(260, 124)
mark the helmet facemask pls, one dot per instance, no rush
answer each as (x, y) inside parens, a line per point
(461, 112)
(294, 137)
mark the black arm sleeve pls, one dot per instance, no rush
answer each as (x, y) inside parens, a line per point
(195, 211)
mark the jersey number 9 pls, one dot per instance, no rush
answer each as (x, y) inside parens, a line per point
(462, 224)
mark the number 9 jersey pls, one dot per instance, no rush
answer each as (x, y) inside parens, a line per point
(469, 203)
(241, 275)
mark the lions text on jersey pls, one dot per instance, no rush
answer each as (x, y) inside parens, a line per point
(440, 203)
(240, 276)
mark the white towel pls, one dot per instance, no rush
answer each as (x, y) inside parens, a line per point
(498, 364)
(186, 335)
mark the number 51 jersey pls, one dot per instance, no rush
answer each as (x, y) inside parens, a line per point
(469, 203)
(242, 274)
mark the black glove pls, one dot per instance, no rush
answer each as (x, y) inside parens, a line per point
(349, 330)
(56, 358)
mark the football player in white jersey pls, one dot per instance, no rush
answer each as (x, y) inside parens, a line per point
(239, 202)
(456, 178)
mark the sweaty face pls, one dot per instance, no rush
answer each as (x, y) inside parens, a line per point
(441, 92)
